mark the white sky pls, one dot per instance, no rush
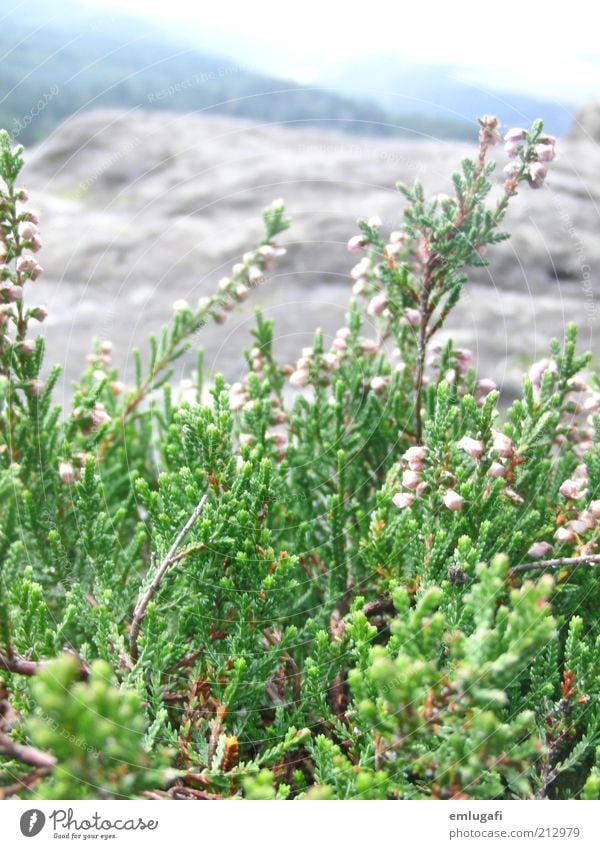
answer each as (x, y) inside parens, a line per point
(550, 48)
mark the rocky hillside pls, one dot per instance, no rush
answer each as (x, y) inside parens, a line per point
(138, 209)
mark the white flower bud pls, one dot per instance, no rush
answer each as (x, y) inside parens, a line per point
(565, 535)
(415, 456)
(452, 500)
(472, 447)
(411, 479)
(570, 489)
(379, 383)
(67, 473)
(356, 243)
(299, 377)
(360, 269)
(402, 500)
(503, 444)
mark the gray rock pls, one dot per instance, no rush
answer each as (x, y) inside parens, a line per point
(140, 208)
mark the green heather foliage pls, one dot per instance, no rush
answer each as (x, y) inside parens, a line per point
(382, 588)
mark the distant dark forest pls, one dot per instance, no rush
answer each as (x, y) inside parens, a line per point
(50, 75)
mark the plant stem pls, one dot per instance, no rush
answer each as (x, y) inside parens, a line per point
(171, 557)
(557, 563)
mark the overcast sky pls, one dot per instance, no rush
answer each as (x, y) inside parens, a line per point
(549, 48)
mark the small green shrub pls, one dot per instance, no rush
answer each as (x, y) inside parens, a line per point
(381, 589)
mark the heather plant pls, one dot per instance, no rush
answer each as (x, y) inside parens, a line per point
(350, 577)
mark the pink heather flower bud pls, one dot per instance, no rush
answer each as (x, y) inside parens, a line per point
(565, 535)
(27, 231)
(577, 384)
(117, 387)
(570, 489)
(515, 134)
(545, 152)
(31, 216)
(67, 473)
(13, 293)
(580, 472)
(99, 416)
(36, 387)
(299, 377)
(255, 274)
(412, 316)
(307, 352)
(224, 284)
(472, 447)
(393, 248)
(402, 500)
(511, 149)
(588, 518)
(537, 174)
(40, 313)
(578, 526)
(489, 129)
(452, 500)
(246, 438)
(503, 444)
(464, 358)
(22, 195)
(360, 269)
(411, 479)
(537, 370)
(415, 456)
(27, 347)
(374, 221)
(592, 404)
(368, 346)
(377, 304)
(36, 271)
(330, 360)
(496, 470)
(342, 332)
(359, 286)
(106, 347)
(180, 305)
(512, 169)
(595, 509)
(486, 385)
(356, 243)
(25, 264)
(539, 549)
(339, 344)
(379, 383)
(450, 376)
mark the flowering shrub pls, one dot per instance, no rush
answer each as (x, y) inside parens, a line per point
(381, 589)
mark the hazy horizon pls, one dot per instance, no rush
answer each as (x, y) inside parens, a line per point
(313, 43)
